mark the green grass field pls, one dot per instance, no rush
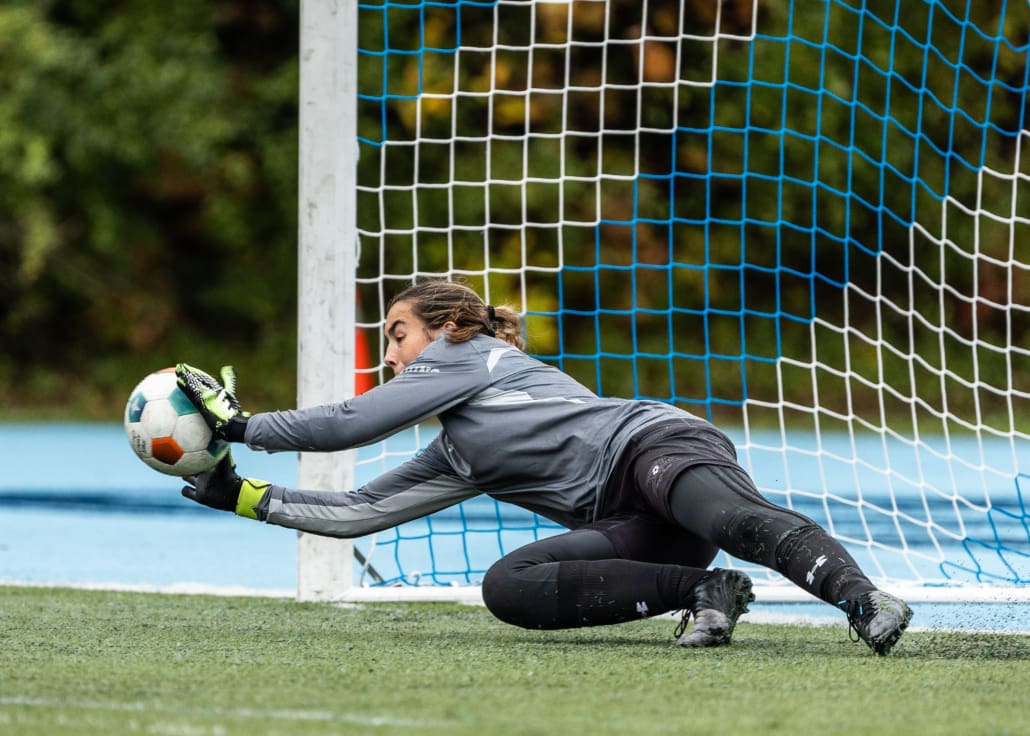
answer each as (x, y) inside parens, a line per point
(91, 662)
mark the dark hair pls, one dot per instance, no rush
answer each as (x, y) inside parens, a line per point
(437, 301)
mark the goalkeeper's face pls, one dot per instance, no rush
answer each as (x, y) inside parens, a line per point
(407, 335)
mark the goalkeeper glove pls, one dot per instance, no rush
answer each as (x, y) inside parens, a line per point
(215, 401)
(221, 488)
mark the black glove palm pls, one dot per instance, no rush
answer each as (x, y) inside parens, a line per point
(218, 488)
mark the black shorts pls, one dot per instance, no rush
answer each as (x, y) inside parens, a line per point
(645, 472)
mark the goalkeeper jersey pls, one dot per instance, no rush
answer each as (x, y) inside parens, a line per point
(514, 428)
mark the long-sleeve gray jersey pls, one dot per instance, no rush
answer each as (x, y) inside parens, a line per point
(513, 428)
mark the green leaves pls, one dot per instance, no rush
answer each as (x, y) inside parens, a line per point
(132, 143)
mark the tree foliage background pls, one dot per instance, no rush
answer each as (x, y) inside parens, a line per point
(148, 182)
(704, 227)
(147, 196)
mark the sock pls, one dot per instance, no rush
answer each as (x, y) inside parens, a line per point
(816, 562)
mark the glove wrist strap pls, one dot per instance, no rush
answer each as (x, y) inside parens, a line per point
(251, 493)
(236, 430)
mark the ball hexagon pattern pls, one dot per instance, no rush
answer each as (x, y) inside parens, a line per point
(166, 431)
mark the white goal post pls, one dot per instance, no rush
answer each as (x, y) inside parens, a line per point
(327, 250)
(806, 221)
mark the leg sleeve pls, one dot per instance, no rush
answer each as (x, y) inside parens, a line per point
(722, 505)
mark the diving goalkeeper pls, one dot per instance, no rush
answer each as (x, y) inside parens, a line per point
(649, 492)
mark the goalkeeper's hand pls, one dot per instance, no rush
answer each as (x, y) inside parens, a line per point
(223, 489)
(215, 401)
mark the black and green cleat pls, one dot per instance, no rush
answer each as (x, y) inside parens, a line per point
(719, 599)
(878, 618)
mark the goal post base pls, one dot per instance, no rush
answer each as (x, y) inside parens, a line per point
(472, 594)
(770, 593)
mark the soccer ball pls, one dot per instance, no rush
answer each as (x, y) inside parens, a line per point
(166, 431)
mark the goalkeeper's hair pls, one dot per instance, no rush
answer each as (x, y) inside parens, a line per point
(437, 302)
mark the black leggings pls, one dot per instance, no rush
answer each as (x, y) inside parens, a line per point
(637, 564)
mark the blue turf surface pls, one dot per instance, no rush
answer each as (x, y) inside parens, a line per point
(100, 516)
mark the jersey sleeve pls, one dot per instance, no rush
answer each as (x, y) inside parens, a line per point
(420, 486)
(442, 376)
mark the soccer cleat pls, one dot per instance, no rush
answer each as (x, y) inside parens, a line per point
(719, 599)
(878, 618)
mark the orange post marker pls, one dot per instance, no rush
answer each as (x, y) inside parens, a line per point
(363, 381)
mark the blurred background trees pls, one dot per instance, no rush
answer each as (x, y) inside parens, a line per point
(148, 179)
(147, 196)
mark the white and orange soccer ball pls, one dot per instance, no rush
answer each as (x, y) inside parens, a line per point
(166, 431)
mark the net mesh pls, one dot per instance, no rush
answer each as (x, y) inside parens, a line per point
(800, 220)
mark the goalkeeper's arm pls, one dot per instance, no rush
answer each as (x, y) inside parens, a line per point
(413, 489)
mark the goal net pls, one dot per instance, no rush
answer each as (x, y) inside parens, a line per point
(806, 221)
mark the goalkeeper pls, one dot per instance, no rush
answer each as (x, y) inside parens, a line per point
(649, 492)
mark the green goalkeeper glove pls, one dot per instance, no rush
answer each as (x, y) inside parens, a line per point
(215, 401)
(221, 488)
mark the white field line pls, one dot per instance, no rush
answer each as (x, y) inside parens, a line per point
(765, 593)
(361, 719)
(171, 589)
